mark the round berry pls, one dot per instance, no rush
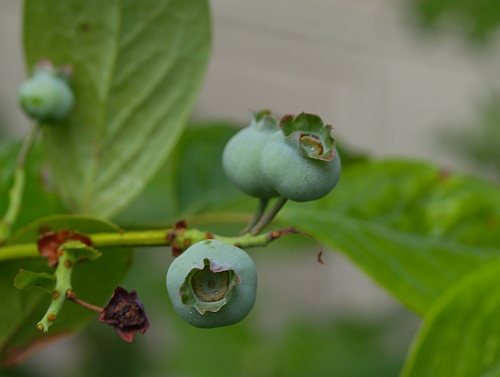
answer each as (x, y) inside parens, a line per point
(241, 156)
(212, 284)
(300, 162)
(46, 96)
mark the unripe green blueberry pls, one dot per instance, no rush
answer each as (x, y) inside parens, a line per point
(300, 162)
(46, 96)
(241, 155)
(212, 284)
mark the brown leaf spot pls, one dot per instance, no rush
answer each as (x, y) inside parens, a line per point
(85, 27)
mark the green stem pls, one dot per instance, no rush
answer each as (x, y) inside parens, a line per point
(269, 216)
(142, 238)
(62, 273)
(131, 238)
(17, 189)
(257, 215)
(19, 251)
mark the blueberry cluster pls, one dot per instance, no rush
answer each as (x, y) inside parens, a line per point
(295, 158)
(214, 284)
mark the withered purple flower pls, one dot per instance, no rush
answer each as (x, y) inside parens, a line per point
(125, 313)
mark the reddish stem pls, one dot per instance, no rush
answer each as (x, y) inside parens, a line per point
(70, 295)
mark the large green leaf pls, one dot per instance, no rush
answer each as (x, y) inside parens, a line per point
(93, 282)
(460, 336)
(138, 65)
(411, 227)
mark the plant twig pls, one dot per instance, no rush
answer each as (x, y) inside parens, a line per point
(17, 189)
(162, 237)
(70, 295)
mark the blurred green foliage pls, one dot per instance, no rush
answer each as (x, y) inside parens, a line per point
(478, 20)
(477, 142)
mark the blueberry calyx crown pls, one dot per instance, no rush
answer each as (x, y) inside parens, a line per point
(207, 286)
(308, 133)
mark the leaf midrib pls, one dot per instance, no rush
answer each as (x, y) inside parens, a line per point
(103, 111)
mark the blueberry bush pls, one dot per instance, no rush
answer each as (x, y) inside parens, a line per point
(111, 171)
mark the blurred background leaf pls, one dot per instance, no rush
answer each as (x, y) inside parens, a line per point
(476, 20)
(477, 143)
(39, 197)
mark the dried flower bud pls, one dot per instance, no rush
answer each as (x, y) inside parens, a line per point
(126, 314)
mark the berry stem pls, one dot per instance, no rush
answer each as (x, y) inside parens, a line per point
(70, 295)
(269, 216)
(17, 189)
(256, 216)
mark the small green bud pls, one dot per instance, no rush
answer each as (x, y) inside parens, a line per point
(46, 96)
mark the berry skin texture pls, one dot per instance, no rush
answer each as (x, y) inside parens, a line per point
(46, 97)
(212, 284)
(241, 155)
(295, 176)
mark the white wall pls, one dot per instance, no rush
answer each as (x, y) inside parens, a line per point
(12, 71)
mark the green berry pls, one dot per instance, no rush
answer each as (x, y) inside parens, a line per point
(212, 284)
(46, 96)
(301, 162)
(241, 156)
